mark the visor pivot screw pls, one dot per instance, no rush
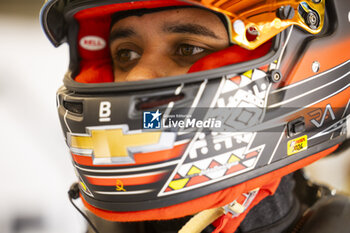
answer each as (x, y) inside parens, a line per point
(312, 20)
(315, 66)
(239, 27)
(275, 76)
(316, 1)
(285, 12)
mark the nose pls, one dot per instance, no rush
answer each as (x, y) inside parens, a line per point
(144, 72)
(153, 66)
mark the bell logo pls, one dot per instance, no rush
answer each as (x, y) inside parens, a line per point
(92, 43)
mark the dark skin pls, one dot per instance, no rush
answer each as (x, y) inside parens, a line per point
(165, 43)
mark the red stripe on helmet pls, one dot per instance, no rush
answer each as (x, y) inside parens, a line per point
(139, 179)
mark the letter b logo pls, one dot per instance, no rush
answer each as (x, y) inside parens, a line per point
(105, 111)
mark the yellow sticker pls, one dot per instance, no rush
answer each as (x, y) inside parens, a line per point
(297, 145)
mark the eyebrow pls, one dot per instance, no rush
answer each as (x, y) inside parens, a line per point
(189, 28)
(121, 33)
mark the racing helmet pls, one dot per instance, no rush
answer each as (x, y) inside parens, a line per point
(274, 101)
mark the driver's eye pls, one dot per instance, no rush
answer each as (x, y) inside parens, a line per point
(126, 55)
(188, 50)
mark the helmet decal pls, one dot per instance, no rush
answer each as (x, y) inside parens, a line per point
(92, 43)
(191, 175)
(319, 117)
(341, 124)
(297, 145)
(244, 93)
(99, 142)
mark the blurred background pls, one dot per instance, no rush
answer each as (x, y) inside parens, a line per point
(36, 169)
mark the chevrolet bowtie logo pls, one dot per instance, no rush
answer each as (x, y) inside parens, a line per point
(117, 145)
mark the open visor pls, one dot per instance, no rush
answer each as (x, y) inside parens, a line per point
(264, 18)
(267, 18)
(251, 25)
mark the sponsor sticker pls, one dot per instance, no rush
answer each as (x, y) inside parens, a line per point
(297, 145)
(92, 43)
